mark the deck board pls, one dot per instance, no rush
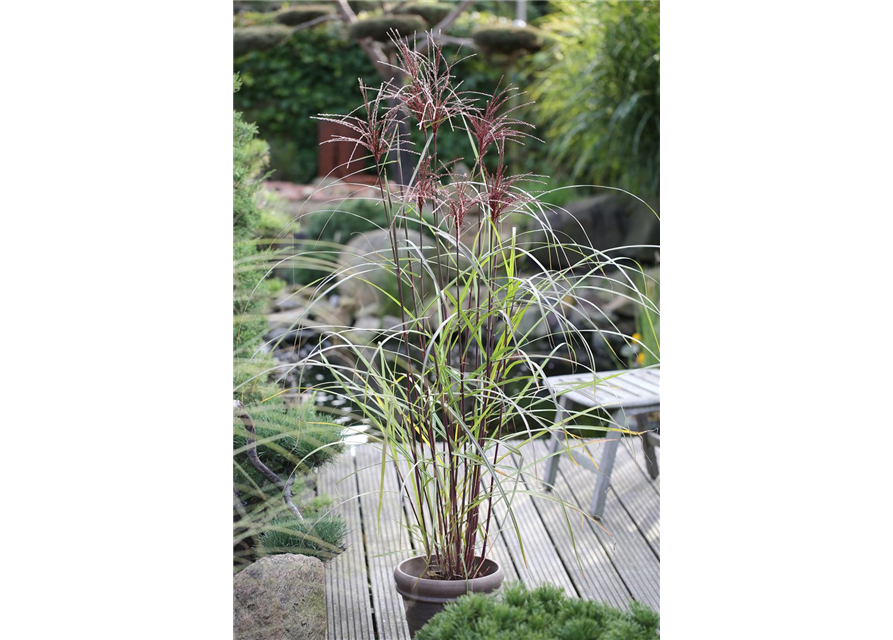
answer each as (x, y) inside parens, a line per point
(587, 564)
(633, 557)
(538, 563)
(640, 499)
(387, 541)
(638, 455)
(347, 582)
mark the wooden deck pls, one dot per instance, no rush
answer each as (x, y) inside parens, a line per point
(615, 565)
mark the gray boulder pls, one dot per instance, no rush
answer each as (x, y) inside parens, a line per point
(608, 220)
(280, 597)
(365, 329)
(366, 269)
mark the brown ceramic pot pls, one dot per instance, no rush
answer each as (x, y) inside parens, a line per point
(423, 598)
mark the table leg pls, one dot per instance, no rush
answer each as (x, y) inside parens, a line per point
(605, 466)
(555, 443)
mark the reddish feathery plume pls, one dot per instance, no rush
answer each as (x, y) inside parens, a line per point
(426, 186)
(462, 200)
(376, 130)
(489, 127)
(428, 95)
(501, 196)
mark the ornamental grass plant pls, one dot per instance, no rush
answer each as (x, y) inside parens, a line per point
(481, 316)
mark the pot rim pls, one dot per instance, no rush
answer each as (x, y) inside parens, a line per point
(430, 590)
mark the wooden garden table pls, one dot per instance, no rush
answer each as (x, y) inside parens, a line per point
(625, 394)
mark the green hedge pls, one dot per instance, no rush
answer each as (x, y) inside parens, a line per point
(544, 613)
(314, 71)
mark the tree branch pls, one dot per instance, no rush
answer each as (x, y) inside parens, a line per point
(372, 49)
(286, 494)
(468, 43)
(268, 473)
(346, 12)
(450, 18)
(313, 23)
(239, 504)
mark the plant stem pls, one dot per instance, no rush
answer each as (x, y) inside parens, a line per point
(391, 221)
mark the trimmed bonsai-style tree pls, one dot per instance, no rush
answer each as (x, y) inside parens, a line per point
(293, 16)
(274, 446)
(258, 38)
(508, 39)
(380, 28)
(432, 12)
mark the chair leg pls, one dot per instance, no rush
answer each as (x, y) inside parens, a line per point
(648, 448)
(555, 442)
(605, 466)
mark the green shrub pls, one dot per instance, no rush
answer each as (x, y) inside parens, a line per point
(431, 12)
(508, 39)
(322, 538)
(380, 28)
(300, 14)
(328, 229)
(338, 224)
(323, 229)
(258, 38)
(317, 506)
(251, 291)
(544, 613)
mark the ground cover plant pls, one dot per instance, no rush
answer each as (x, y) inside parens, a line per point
(544, 613)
